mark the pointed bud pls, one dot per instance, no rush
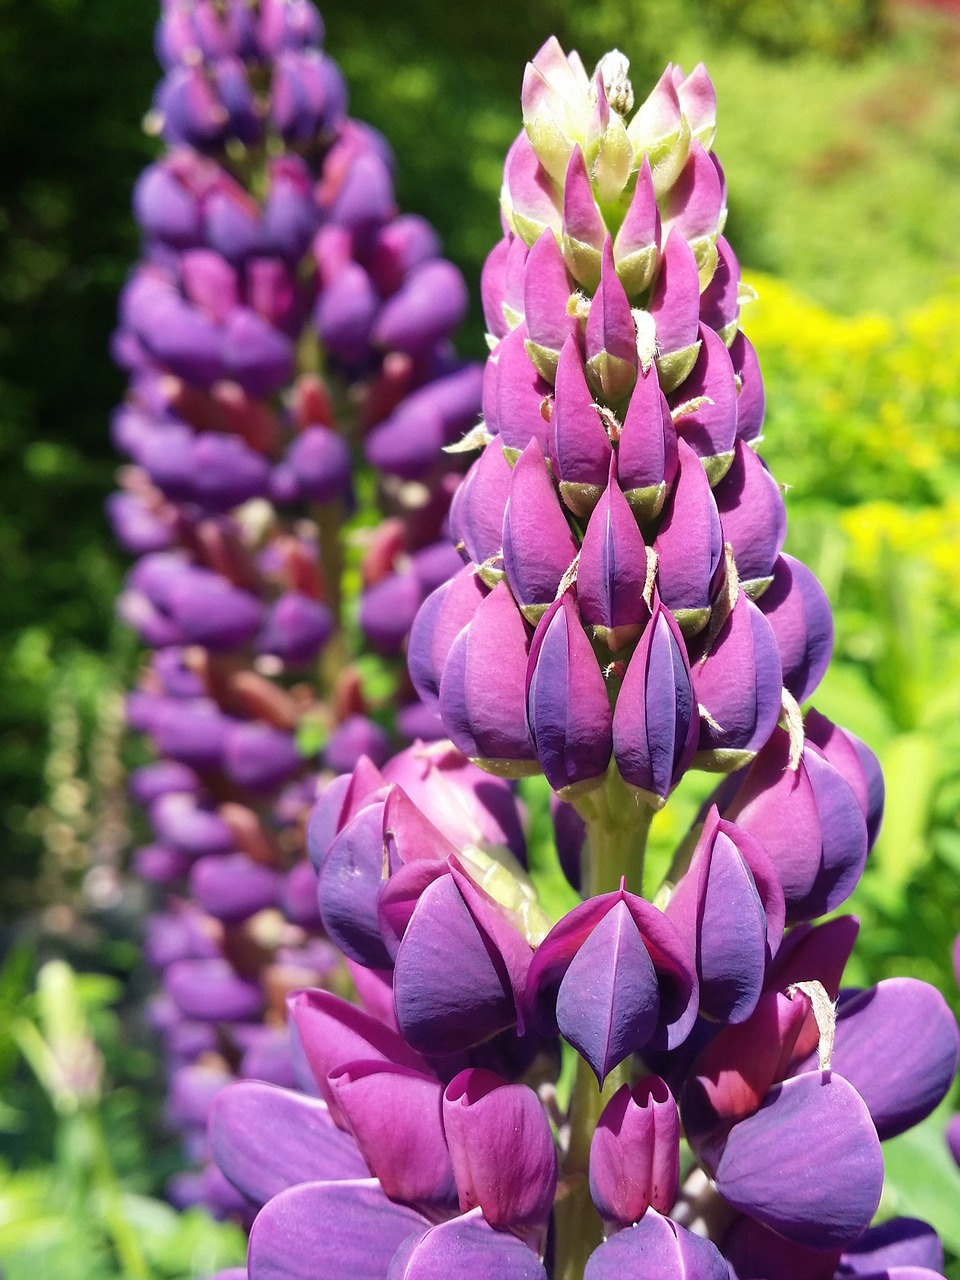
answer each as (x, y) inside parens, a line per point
(483, 687)
(522, 396)
(612, 571)
(694, 206)
(636, 248)
(797, 609)
(546, 292)
(611, 336)
(689, 544)
(659, 129)
(441, 618)
(705, 406)
(607, 147)
(752, 517)
(567, 706)
(538, 545)
(583, 230)
(655, 722)
(476, 513)
(528, 199)
(647, 456)
(580, 443)
(730, 876)
(737, 683)
(751, 402)
(675, 307)
(720, 300)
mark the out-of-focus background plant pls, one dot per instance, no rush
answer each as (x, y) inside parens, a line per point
(840, 133)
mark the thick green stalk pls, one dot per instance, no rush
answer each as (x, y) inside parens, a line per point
(618, 823)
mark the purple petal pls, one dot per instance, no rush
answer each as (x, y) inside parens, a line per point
(635, 248)
(710, 428)
(752, 514)
(338, 1230)
(751, 403)
(476, 516)
(611, 335)
(538, 545)
(546, 292)
(635, 1153)
(797, 608)
(611, 572)
(521, 394)
(656, 1249)
(580, 443)
(647, 456)
(689, 543)
(441, 618)
(764, 1168)
(304, 1145)
(465, 1246)
(584, 230)
(898, 1242)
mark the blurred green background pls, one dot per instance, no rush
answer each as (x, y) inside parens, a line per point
(839, 130)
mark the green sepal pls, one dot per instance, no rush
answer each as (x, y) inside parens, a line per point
(543, 359)
(729, 332)
(667, 170)
(580, 498)
(533, 612)
(582, 261)
(508, 768)
(611, 377)
(646, 503)
(673, 367)
(617, 638)
(722, 760)
(691, 621)
(755, 587)
(717, 466)
(637, 269)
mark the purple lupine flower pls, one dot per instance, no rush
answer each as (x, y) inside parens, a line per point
(649, 625)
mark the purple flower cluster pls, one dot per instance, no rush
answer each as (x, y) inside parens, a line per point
(674, 1085)
(284, 324)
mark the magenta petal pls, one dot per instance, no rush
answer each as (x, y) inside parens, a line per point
(611, 335)
(675, 302)
(719, 303)
(580, 443)
(711, 428)
(635, 247)
(476, 515)
(530, 202)
(694, 203)
(689, 542)
(752, 514)
(348, 888)
(538, 545)
(502, 1149)
(452, 989)
(797, 608)
(738, 684)
(635, 1153)
(656, 1249)
(584, 230)
(751, 403)
(567, 706)
(611, 572)
(755, 1253)
(546, 292)
(764, 1167)
(465, 1246)
(655, 722)
(304, 1144)
(483, 687)
(394, 1114)
(338, 1230)
(521, 394)
(647, 457)
(897, 1044)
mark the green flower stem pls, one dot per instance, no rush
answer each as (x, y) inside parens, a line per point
(107, 1193)
(618, 823)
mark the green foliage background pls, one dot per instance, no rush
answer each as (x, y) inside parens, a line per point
(839, 130)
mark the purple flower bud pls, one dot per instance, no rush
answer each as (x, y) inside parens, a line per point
(810, 823)
(730, 876)
(611, 335)
(387, 611)
(522, 395)
(165, 206)
(752, 517)
(719, 302)
(212, 990)
(460, 969)
(441, 618)
(705, 406)
(675, 307)
(345, 314)
(259, 757)
(138, 527)
(635, 1153)
(179, 820)
(567, 706)
(408, 441)
(502, 1151)
(159, 864)
(751, 403)
(815, 1112)
(493, 286)
(613, 976)
(612, 571)
(307, 94)
(689, 544)
(407, 242)
(258, 356)
(528, 200)
(655, 722)
(581, 446)
(538, 544)
(296, 628)
(467, 1241)
(855, 761)
(647, 457)
(231, 887)
(209, 282)
(897, 1243)
(211, 611)
(694, 206)
(192, 733)
(737, 683)
(320, 460)
(151, 781)
(546, 292)
(656, 1247)
(583, 228)
(290, 214)
(636, 248)
(476, 514)
(427, 308)
(797, 609)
